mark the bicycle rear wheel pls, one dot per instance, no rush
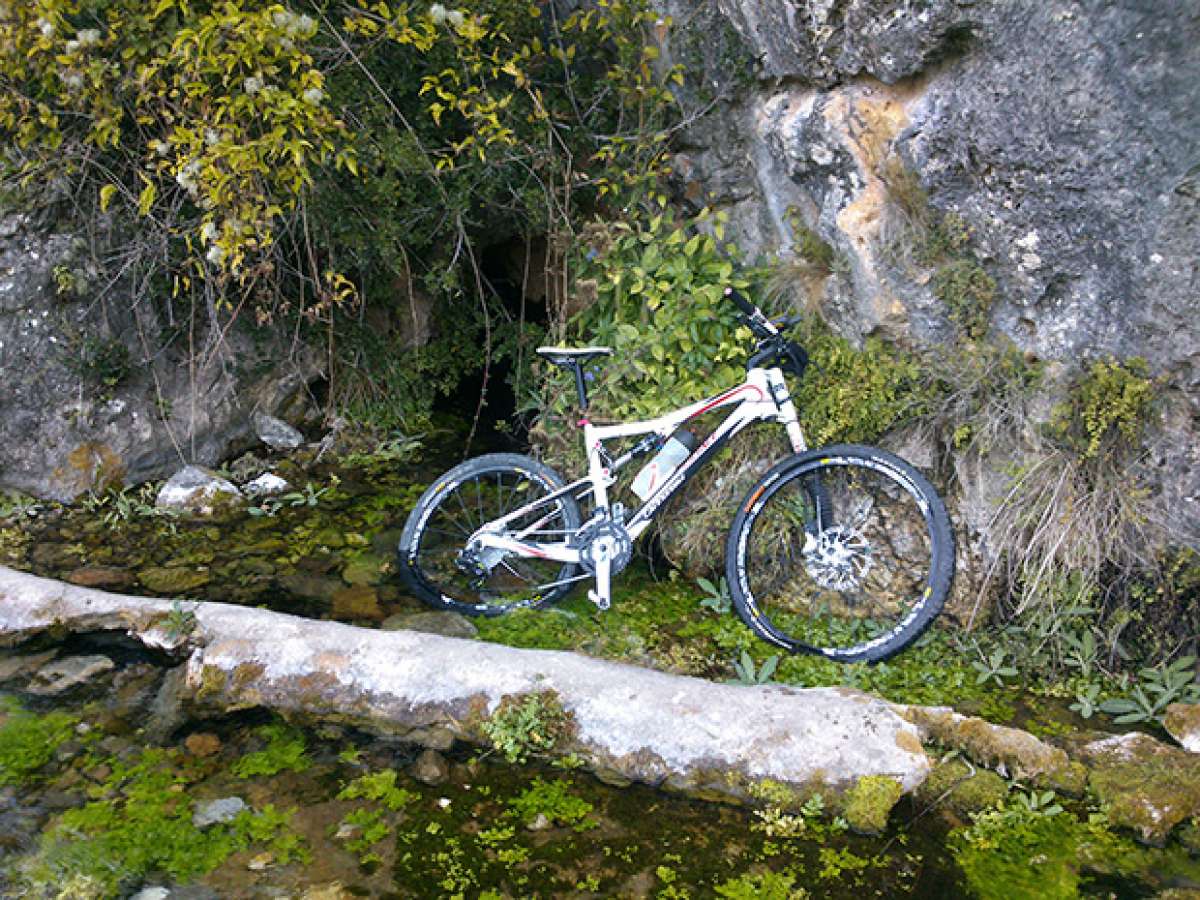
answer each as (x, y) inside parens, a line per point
(436, 562)
(845, 551)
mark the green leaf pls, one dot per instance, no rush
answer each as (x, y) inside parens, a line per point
(106, 194)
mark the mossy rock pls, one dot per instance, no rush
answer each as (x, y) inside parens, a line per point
(963, 788)
(1011, 750)
(364, 570)
(172, 580)
(1147, 786)
(869, 802)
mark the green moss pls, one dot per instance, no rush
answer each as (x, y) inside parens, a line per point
(555, 801)
(28, 740)
(762, 886)
(869, 802)
(284, 752)
(962, 788)
(1149, 788)
(142, 823)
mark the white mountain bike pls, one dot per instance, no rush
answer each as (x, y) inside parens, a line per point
(845, 551)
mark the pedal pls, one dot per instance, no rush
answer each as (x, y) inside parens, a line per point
(602, 603)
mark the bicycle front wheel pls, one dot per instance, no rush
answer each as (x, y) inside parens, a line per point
(438, 562)
(845, 551)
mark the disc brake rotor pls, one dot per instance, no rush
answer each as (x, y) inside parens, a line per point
(838, 559)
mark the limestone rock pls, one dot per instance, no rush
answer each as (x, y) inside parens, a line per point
(1183, 723)
(198, 491)
(1147, 786)
(686, 734)
(276, 433)
(217, 812)
(266, 485)
(63, 430)
(447, 624)
(57, 677)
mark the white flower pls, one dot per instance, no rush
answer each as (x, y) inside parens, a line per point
(305, 24)
(88, 36)
(208, 231)
(313, 95)
(72, 46)
(211, 136)
(282, 18)
(252, 85)
(455, 18)
(45, 26)
(73, 80)
(437, 12)
(215, 254)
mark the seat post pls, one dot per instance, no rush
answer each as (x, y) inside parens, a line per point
(580, 387)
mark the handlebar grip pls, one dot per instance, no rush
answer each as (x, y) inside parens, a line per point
(741, 302)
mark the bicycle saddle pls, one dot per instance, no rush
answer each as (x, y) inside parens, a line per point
(570, 356)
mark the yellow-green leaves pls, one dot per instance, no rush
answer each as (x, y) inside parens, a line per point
(107, 192)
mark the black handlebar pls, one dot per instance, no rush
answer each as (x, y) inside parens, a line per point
(741, 302)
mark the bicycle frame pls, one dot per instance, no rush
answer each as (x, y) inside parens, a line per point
(763, 396)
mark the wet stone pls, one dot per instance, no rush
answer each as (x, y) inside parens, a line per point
(16, 665)
(311, 587)
(266, 485)
(170, 580)
(447, 624)
(357, 602)
(58, 677)
(100, 577)
(198, 491)
(202, 744)
(364, 570)
(276, 433)
(217, 812)
(431, 768)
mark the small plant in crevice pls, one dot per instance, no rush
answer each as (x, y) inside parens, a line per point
(529, 725)
(180, 621)
(993, 667)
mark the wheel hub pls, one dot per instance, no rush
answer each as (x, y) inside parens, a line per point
(838, 559)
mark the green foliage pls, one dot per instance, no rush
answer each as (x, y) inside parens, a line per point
(180, 621)
(968, 292)
(992, 667)
(28, 740)
(554, 800)
(762, 886)
(533, 724)
(378, 787)
(716, 596)
(284, 752)
(856, 395)
(102, 362)
(1109, 407)
(660, 304)
(748, 674)
(1155, 690)
(1030, 848)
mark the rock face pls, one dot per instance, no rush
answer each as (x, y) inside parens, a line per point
(626, 723)
(96, 394)
(1062, 134)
